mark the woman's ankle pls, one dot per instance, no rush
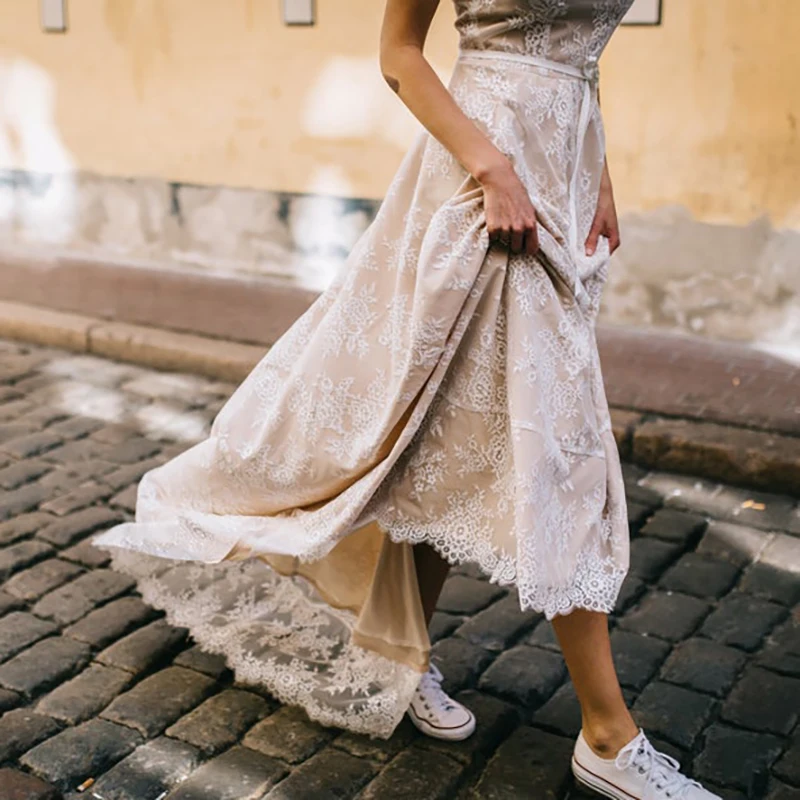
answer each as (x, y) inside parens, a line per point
(606, 738)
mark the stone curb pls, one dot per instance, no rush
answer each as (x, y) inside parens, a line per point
(137, 344)
(731, 454)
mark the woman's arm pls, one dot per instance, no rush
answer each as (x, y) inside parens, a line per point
(605, 221)
(509, 212)
(405, 69)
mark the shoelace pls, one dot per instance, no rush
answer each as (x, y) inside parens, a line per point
(431, 692)
(663, 771)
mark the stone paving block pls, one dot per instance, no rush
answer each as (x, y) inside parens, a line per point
(776, 573)
(781, 651)
(525, 675)
(32, 444)
(649, 557)
(381, 750)
(500, 625)
(561, 714)
(442, 625)
(780, 791)
(330, 773)
(80, 450)
(148, 772)
(742, 621)
(700, 576)
(543, 635)
(41, 578)
(220, 721)
(495, 719)
(764, 701)
(703, 665)
(778, 585)
(289, 735)
(723, 502)
(129, 474)
(86, 694)
(734, 757)
(416, 774)
(159, 700)
(44, 664)
(14, 430)
(139, 650)
(76, 427)
(668, 615)
(237, 774)
(788, 766)
(22, 525)
(126, 499)
(70, 757)
(21, 786)
(9, 603)
(77, 499)
(460, 662)
(676, 714)
(20, 472)
(21, 729)
(45, 417)
(8, 700)
(77, 598)
(69, 529)
(637, 657)
(87, 555)
(631, 590)
(739, 544)
(107, 623)
(22, 554)
(131, 451)
(212, 664)
(114, 433)
(69, 476)
(674, 525)
(638, 513)
(530, 763)
(18, 629)
(26, 498)
(725, 792)
(467, 596)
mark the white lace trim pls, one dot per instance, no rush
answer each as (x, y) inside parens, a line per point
(274, 631)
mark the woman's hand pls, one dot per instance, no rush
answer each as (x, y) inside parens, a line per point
(510, 215)
(605, 217)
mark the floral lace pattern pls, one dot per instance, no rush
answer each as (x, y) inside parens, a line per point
(441, 387)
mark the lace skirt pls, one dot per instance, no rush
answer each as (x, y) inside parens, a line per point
(441, 390)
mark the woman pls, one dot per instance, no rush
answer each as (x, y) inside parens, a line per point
(441, 402)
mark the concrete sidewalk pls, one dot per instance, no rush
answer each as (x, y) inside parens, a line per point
(97, 690)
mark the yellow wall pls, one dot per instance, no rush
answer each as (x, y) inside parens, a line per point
(701, 111)
(704, 110)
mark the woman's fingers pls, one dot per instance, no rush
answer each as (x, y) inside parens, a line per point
(532, 241)
(517, 238)
(594, 235)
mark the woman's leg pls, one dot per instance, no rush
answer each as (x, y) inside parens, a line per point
(584, 640)
(432, 571)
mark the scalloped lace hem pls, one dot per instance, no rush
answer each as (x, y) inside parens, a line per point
(299, 660)
(595, 586)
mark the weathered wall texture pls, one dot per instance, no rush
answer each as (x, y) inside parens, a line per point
(209, 135)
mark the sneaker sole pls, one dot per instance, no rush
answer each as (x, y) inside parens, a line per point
(598, 784)
(449, 734)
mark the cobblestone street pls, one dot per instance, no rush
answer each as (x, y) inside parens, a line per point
(95, 685)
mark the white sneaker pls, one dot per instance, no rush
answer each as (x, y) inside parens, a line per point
(437, 714)
(638, 772)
